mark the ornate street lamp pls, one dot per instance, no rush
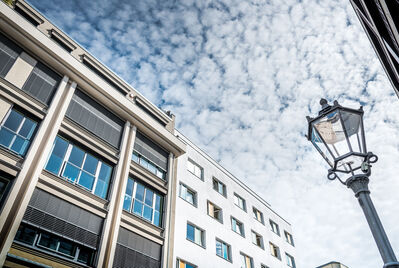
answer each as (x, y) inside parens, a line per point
(338, 135)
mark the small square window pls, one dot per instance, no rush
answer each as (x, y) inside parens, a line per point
(240, 202)
(258, 215)
(257, 239)
(223, 250)
(195, 169)
(274, 227)
(289, 238)
(219, 187)
(290, 260)
(237, 226)
(274, 250)
(188, 194)
(195, 234)
(215, 212)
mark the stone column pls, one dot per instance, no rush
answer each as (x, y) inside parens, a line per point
(35, 159)
(113, 220)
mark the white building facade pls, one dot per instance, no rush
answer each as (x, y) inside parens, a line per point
(220, 222)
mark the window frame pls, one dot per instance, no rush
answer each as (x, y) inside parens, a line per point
(262, 244)
(153, 207)
(254, 210)
(202, 233)
(228, 247)
(272, 225)
(65, 162)
(179, 261)
(218, 184)
(25, 116)
(217, 207)
(251, 260)
(244, 202)
(158, 171)
(289, 238)
(237, 224)
(188, 189)
(290, 260)
(192, 162)
(277, 248)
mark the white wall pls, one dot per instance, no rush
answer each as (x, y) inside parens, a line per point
(206, 257)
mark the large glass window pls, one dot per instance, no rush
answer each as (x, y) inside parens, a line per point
(147, 164)
(53, 243)
(195, 234)
(143, 202)
(223, 250)
(79, 167)
(195, 169)
(237, 226)
(188, 194)
(16, 132)
(240, 202)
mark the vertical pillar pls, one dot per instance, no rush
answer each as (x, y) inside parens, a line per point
(34, 162)
(113, 220)
(167, 250)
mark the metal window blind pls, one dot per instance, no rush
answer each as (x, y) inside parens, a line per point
(125, 257)
(151, 151)
(94, 117)
(55, 215)
(8, 54)
(42, 83)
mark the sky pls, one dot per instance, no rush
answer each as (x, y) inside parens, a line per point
(240, 76)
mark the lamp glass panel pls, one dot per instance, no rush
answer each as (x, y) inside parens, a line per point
(353, 127)
(321, 147)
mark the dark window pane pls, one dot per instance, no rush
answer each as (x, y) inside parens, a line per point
(157, 219)
(90, 164)
(26, 235)
(76, 156)
(48, 241)
(190, 232)
(66, 247)
(27, 128)
(103, 181)
(54, 163)
(149, 197)
(140, 192)
(147, 213)
(138, 207)
(19, 145)
(71, 172)
(85, 256)
(60, 147)
(158, 203)
(13, 121)
(86, 180)
(6, 137)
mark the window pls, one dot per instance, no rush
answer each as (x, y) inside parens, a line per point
(147, 164)
(42, 83)
(195, 169)
(215, 212)
(258, 215)
(274, 250)
(195, 235)
(55, 244)
(183, 264)
(237, 226)
(239, 202)
(188, 194)
(274, 227)
(219, 187)
(223, 250)
(257, 239)
(263, 266)
(290, 260)
(17, 131)
(289, 238)
(246, 261)
(8, 54)
(5, 185)
(79, 167)
(143, 202)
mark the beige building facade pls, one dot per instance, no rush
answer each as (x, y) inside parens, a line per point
(87, 164)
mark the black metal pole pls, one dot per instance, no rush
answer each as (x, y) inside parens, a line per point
(359, 185)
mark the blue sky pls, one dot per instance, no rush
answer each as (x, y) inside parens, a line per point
(241, 76)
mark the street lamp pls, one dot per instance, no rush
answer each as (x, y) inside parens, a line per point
(338, 135)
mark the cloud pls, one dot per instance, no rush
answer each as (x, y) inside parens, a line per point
(241, 76)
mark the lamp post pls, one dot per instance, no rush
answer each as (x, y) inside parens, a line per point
(338, 135)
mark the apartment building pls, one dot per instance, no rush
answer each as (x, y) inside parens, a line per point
(220, 222)
(87, 164)
(380, 21)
